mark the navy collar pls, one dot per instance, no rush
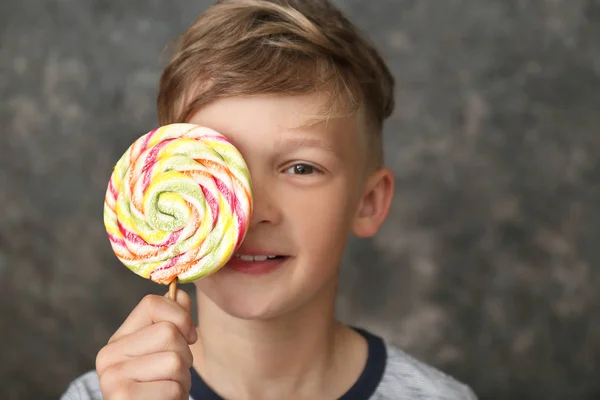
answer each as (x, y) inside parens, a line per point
(364, 387)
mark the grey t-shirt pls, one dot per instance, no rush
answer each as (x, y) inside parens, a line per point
(390, 374)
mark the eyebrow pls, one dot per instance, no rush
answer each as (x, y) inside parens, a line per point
(305, 142)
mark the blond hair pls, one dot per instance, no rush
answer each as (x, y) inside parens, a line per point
(251, 47)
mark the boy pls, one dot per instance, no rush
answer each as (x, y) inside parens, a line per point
(303, 96)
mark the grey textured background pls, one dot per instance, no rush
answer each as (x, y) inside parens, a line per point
(488, 265)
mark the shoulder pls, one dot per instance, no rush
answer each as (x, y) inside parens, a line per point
(86, 387)
(405, 377)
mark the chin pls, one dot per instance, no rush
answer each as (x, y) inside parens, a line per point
(251, 311)
(251, 306)
(248, 300)
(255, 303)
(269, 296)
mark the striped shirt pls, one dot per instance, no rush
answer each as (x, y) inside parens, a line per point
(389, 374)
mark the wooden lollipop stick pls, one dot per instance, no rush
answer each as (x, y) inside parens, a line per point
(173, 290)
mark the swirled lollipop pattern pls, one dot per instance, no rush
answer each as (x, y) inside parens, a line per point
(178, 203)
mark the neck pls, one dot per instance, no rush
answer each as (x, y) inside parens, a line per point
(294, 353)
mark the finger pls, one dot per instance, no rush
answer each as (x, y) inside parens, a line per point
(165, 366)
(153, 309)
(183, 299)
(161, 390)
(156, 338)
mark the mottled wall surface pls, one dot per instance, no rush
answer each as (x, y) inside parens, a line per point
(488, 265)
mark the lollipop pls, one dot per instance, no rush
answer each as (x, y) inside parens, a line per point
(178, 204)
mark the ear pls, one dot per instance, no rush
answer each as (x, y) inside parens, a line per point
(374, 204)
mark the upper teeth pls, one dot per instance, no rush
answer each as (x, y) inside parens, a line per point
(253, 258)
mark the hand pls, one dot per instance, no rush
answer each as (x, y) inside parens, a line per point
(149, 355)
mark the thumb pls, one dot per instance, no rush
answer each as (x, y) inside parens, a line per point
(183, 299)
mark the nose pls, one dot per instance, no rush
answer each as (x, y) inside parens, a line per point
(265, 207)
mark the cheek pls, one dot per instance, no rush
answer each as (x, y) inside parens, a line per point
(321, 219)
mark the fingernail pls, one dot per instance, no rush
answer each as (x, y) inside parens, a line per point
(193, 335)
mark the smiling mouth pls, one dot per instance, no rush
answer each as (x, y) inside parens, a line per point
(251, 258)
(256, 264)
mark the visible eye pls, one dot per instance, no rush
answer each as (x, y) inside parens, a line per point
(302, 169)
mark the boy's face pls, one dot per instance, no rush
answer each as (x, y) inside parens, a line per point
(310, 192)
